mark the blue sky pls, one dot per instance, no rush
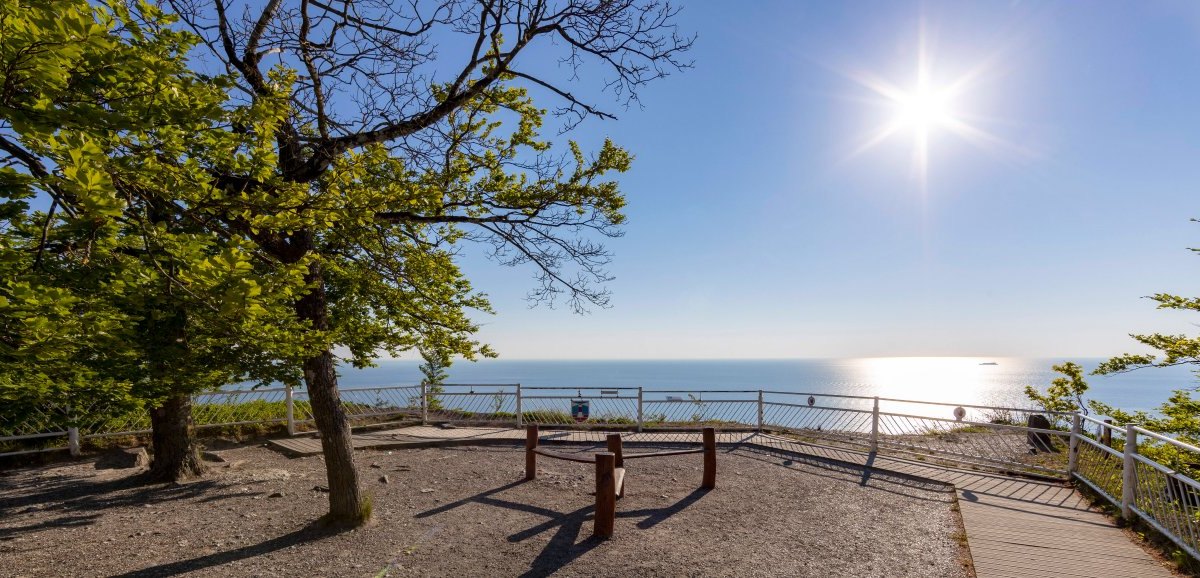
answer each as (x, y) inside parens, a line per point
(754, 231)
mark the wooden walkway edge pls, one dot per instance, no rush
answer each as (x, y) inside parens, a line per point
(1016, 527)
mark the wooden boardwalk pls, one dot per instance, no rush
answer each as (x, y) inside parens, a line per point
(1016, 527)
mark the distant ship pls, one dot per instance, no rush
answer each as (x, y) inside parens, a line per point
(989, 363)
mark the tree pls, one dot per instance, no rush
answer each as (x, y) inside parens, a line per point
(1065, 393)
(433, 367)
(1179, 415)
(110, 301)
(387, 154)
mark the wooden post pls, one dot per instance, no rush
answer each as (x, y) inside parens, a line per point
(710, 459)
(606, 495)
(1106, 433)
(531, 442)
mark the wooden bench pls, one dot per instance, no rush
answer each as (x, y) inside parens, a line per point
(610, 470)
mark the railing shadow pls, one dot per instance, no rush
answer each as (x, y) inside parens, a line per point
(859, 474)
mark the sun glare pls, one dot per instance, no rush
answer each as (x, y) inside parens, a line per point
(925, 109)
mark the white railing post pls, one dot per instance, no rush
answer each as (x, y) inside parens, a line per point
(1073, 452)
(760, 411)
(639, 416)
(291, 411)
(520, 417)
(424, 403)
(1129, 473)
(875, 426)
(73, 441)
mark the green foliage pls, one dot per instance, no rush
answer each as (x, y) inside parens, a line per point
(1065, 393)
(434, 369)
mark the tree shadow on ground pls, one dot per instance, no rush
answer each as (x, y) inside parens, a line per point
(78, 500)
(310, 533)
(564, 547)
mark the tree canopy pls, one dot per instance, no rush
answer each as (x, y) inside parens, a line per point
(265, 186)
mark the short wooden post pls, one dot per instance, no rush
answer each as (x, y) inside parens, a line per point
(531, 443)
(710, 459)
(1129, 474)
(291, 411)
(73, 441)
(1106, 433)
(606, 495)
(1073, 453)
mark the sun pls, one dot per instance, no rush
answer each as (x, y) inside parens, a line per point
(924, 109)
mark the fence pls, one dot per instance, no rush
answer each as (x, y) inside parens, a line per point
(1140, 485)
(1127, 464)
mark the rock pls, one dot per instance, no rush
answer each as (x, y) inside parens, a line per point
(123, 458)
(276, 495)
(426, 490)
(375, 465)
(384, 480)
(212, 457)
(320, 489)
(1038, 441)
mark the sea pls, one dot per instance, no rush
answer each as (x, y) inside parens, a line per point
(996, 381)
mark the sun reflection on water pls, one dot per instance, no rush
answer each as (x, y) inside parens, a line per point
(967, 380)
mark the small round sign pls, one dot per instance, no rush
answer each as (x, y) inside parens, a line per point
(812, 401)
(959, 413)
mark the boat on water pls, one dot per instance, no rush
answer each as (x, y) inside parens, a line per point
(989, 363)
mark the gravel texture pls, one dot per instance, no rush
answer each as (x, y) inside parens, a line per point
(464, 512)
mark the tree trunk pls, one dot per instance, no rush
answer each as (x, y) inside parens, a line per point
(346, 503)
(174, 455)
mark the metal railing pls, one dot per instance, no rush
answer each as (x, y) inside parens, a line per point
(1141, 486)
(1126, 464)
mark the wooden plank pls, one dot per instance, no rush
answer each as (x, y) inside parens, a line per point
(619, 475)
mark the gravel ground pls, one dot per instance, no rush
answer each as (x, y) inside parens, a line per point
(463, 512)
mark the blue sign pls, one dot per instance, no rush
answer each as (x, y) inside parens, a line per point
(580, 409)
